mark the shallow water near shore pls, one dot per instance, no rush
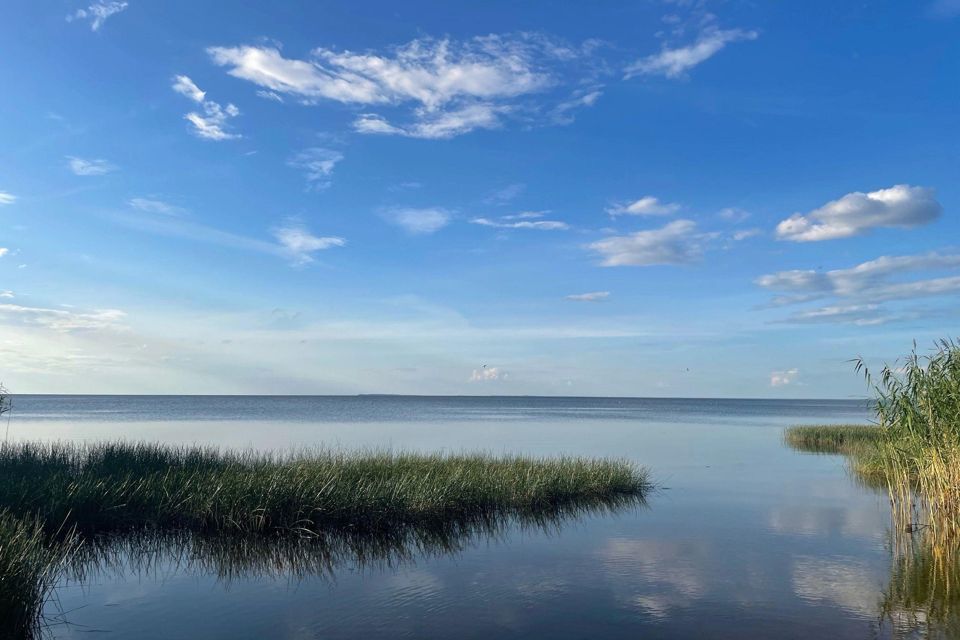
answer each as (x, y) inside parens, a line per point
(746, 538)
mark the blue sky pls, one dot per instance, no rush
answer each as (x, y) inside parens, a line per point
(649, 198)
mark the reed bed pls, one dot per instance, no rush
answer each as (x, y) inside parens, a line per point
(918, 410)
(832, 438)
(914, 454)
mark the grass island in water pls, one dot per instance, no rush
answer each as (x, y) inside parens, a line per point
(57, 498)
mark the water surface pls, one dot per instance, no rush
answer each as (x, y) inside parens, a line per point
(746, 539)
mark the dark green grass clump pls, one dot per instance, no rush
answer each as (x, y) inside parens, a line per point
(845, 439)
(29, 566)
(121, 485)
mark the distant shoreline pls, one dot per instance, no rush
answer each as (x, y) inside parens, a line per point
(864, 398)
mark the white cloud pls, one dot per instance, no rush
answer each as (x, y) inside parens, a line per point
(97, 13)
(151, 205)
(645, 206)
(862, 287)
(6, 293)
(373, 123)
(83, 167)
(783, 378)
(522, 221)
(212, 123)
(300, 245)
(450, 87)
(593, 296)
(7, 198)
(318, 163)
(856, 213)
(430, 72)
(488, 374)
(4, 251)
(675, 243)
(418, 221)
(869, 279)
(674, 63)
(186, 87)
(61, 319)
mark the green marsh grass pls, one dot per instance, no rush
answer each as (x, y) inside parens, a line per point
(120, 485)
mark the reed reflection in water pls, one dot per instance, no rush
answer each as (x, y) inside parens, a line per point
(299, 555)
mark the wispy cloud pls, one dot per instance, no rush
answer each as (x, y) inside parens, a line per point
(270, 95)
(862, 315)
(856, 213)
(318, 164)
(506, 194)
(563, 113)
(6, 293)
(84, 167)
(593, 296)
(7, 198)
(62, 319)
(449, 87)
(97, 13)
(744, 234)
(212, 123)
(676, 243)
(441, 126)
(526, 220)
(152, 205)
(4, 251)
(645, 206)
(675, 62)
(733, 214)
(422, 221)
(859, 290)
(300, 244)
(292, 240)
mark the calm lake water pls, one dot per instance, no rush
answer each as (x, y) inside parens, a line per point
(747, 538)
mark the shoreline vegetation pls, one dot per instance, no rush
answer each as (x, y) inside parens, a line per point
(914, 447)
(846, 439)
(913, 452)
(60, 502)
